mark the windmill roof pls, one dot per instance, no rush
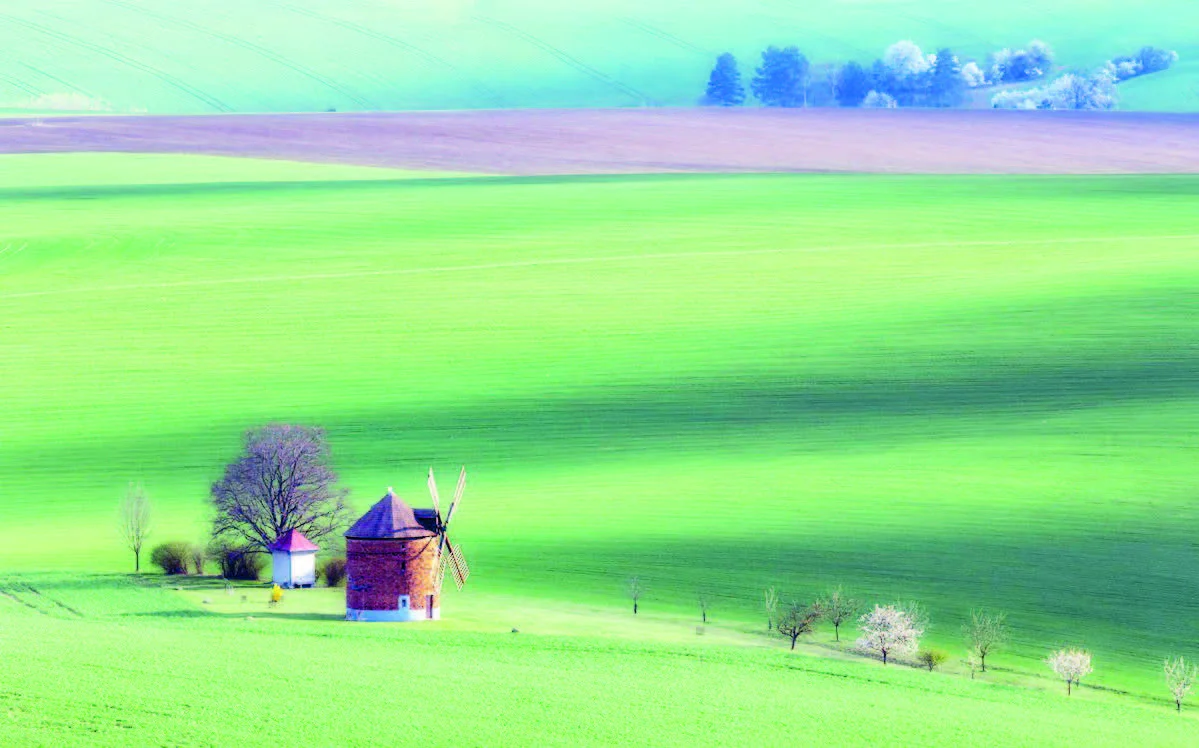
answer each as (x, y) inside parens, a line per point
(293, 541)
(390, 517)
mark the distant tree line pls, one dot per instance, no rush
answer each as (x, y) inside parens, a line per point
(906, 77)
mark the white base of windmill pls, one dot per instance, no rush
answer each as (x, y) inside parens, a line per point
(392, 616)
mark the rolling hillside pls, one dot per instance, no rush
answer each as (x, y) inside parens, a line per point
(311, 55)
(970, 391)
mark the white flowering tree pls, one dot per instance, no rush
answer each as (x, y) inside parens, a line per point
(888, 631)
(1180, 676)
(905, 59)
(1071, 665)
(1071, 91)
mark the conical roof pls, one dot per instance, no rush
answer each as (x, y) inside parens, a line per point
(293, 541)
(392, 518)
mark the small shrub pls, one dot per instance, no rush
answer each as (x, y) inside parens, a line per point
(931, 658)
(238, 562)
(171, 557)
(334, 572)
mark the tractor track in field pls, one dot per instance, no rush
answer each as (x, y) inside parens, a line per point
(70, 86)
(176, 83)
(558, 261)
(570, 60)
(12, 596)
(53, 601)
(17, 83)
(21, 85)
(428, 57)
(666, 36)
(249, 46)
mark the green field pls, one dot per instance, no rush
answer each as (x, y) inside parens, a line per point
(100, 661)
(310, 55)
(970, 391)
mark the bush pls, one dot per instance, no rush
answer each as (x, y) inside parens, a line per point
(932, 658)
(238, 562)
(171, 557)
(876, 100)
(334, 572)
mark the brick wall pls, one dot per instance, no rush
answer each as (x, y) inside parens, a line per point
(379, 571)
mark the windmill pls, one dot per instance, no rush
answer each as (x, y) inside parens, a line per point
(448, 554)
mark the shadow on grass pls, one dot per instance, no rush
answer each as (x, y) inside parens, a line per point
(257, 615)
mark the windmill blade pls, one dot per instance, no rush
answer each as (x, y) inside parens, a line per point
(458, 565)
(441, 566)
(441, 560)
(433, 493)
(457, 496)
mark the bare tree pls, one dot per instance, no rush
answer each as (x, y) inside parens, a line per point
(888, 630)
(985, 633)
(635, 589)
(281, 482)
(1179, 678)
(796, 621)
(1071, 665)
(134, 522)
(772, 606)
(836, 607)
(704, 598)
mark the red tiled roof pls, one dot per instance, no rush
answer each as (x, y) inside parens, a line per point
(293, 541)
(392, 518)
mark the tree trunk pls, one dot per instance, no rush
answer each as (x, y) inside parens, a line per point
(1068, 688)
(837, 631)
(137, 562)
(884, 657)
(982, 662)
(793, 640)
(1178, 705)
(705, 616)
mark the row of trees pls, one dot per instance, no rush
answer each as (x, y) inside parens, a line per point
(903, 76)
(890, 631)
(906, 76)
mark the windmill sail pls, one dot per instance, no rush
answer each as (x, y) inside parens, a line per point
(457, 496)
(448, 555)
(457, 565)
(433, 494)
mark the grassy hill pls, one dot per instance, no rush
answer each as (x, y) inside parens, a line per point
(310, 55)
(232, 673)
(970, 391)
